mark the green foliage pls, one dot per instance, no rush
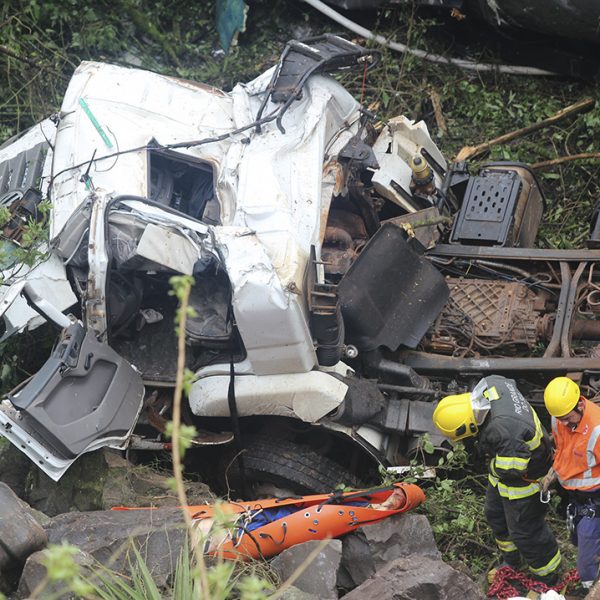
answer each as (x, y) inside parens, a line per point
(253, 587)
(454, 506)
(227, 579)
(187, 433)
(62, 569)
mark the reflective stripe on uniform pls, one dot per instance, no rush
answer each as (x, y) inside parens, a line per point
(511, 462)
(549, 567)
(505, 545)
(514, 493)
(536, 440)
(591, 457)
(516, 462)
(491, 393)
(587, 483)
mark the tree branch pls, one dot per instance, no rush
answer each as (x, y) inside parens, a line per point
(471, 151)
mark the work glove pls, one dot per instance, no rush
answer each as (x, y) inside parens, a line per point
(549, 480)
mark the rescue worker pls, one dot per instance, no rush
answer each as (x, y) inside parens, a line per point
(576, 430)
(511, 435)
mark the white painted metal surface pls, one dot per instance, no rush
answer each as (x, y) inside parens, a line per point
(306, 396)
(274, 192)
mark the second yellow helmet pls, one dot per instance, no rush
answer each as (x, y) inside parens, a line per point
(561, 396)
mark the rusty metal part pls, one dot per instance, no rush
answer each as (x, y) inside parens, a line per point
(426, 363)
(155, 405)
(348, 221)
(482, 316)
(585, 329)
(526, 254)
(337, 260)
(565, 335)
(344, 237)
(565, 277)
(338, 237)
(593, 301)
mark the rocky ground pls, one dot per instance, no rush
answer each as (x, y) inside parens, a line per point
(396, 558)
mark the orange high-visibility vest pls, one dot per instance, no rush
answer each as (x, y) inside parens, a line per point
(577, 458)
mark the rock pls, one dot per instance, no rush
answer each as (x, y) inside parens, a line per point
(35, 572)
(368, 549)
(14, 466)
(79, 489)
(417, 577)
(294, 593)
(107, 536)
(319, 578)
(357, 564)
(402, 535)
(103, 479)
(20, 533)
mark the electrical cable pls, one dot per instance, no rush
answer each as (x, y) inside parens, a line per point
(219, 138)
(435, 58)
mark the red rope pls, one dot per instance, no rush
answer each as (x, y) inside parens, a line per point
(505, 579)
(362, 91)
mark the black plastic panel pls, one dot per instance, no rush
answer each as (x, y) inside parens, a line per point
(391, 294)
(487, 212)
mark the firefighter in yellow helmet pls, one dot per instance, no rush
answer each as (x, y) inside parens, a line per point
(518, 447)
(576, 431)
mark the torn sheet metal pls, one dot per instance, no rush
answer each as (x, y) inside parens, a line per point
(399, 141)
(123, 102)
(49, 280)
(168, 249)
(271, 319)
(144, 187)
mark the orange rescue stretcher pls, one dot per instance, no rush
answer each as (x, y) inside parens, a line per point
(264, 528)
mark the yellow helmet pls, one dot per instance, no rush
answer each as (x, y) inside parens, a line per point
(454, 417)
(561, 396)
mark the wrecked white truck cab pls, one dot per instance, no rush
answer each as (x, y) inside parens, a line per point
(323, 331)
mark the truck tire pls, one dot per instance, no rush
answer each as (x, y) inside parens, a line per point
(275, 463)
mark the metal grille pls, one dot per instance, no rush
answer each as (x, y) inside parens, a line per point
(24, 170)
(486, 215)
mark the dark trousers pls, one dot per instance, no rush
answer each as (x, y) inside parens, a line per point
(523, 523)
(586, 536)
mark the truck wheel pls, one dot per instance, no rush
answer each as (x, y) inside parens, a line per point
(280, 467)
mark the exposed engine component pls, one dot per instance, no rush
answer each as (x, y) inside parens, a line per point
(484, 316)
(345, 236)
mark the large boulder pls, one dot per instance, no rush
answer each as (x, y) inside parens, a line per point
(20, 533)
(417, 577)
(319, 576)
(20, 536)
(107, 536)
(35, 573)
(369, 548)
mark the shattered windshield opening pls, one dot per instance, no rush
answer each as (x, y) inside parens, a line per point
(183, 184)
